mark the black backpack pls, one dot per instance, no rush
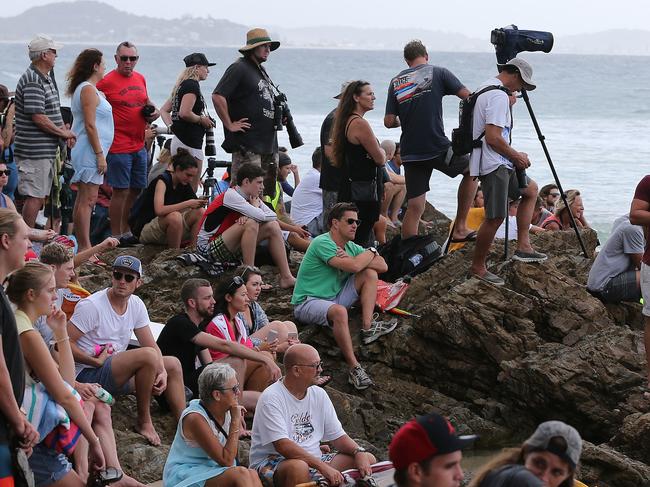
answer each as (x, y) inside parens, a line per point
(462, 140)
(409, 257)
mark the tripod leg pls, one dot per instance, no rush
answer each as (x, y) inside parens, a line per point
(540, 136)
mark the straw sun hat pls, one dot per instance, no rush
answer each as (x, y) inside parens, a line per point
(257, 37)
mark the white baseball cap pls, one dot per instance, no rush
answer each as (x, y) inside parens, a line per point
(43, 42)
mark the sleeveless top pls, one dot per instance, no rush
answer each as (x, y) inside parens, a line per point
(188, 464)
(3, 200)
(358, 166)
(83, 153)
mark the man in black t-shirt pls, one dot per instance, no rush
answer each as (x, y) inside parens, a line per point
(414, 103)
(243, 100)
(182, 338)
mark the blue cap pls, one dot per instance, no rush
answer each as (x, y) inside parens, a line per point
(128, 263)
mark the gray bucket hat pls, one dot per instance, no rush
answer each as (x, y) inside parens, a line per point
(525, 71)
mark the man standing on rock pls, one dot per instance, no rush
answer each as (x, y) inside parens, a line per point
(335, 274)
(126, 91)
(415, 103)
(496, 164)
(291, 421)
(100, 330)
(244, 101)
(40, 131)
(640, 215)
(426, 452)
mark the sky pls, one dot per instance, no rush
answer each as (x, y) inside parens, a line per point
(562, 17)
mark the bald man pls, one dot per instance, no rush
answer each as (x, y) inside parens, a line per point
(292, 419)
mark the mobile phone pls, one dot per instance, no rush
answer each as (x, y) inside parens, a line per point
(272, 336)
(293, 336)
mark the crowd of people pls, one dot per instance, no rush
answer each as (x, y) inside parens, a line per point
(215, 366)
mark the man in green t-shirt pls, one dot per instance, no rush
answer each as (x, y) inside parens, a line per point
(335, 274)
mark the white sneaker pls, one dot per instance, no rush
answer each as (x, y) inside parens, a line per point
(377, 329)
(359, 378)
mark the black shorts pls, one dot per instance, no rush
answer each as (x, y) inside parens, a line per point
(418, 173)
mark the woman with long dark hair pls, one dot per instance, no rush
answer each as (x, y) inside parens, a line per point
(549, 458)
(231, 299)
(93, 124)
(357, 152)
(170, 211)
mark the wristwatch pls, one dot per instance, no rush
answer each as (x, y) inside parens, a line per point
(359, 449)
(373, 250)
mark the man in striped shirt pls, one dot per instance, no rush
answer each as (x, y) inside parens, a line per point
(39, 127)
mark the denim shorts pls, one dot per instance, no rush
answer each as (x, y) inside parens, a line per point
(48, 465)
(313, 311)
(127, 170)
(104, 376)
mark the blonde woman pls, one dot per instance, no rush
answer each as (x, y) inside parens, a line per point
(33, 290)
(561, 220)
(184, 110)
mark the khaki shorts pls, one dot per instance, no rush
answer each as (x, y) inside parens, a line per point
(35, 177)
(152, 233)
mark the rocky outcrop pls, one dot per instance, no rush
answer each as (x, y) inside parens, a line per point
(497, 361)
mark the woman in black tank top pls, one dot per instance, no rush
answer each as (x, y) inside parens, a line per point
(357, 152)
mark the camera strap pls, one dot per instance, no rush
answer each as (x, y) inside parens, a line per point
(268, 79)
(216, 423)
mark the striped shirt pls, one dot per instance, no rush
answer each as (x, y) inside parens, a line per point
(36, 93)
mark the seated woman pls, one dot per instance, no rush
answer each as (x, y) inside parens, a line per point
(255, 319)
(231, 299)
(204, 449)
(33, 290)
(561, 220)
(550, 455)
(170, 211)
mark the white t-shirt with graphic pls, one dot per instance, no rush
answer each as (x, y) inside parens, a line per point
(101, 325)
(493, 108)
(280, 415)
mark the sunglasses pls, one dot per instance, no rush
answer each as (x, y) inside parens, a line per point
(352, 221)
(6, 172)
(554, 195)
(118, 276)
(236, 283)
(236, 389)
(129, 58)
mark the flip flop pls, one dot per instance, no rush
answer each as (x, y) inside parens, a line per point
(470, 237)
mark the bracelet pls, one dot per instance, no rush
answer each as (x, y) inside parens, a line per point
(233, 431)
(66, 339)
(100, 152)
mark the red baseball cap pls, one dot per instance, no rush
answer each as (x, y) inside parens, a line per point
(424, 437)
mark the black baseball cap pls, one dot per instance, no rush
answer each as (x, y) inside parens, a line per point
(197, 58)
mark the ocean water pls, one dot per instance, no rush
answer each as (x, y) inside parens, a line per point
(594, 111)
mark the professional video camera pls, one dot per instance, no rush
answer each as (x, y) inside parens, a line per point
(509, 41)
(282, 112)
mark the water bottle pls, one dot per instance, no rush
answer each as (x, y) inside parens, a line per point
(104, 396)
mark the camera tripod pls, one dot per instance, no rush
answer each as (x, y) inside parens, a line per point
(540, 136)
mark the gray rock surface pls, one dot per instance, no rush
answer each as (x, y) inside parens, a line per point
(497, 361)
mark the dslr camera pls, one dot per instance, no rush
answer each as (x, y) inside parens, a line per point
(281, 111)
(147, 111)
